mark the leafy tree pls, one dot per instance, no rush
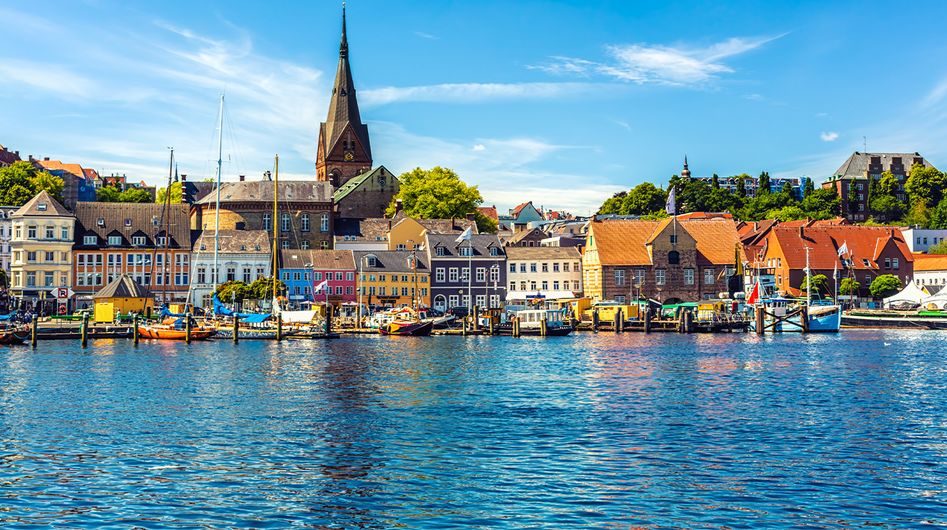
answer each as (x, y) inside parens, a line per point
(885, 285)
(137, 195)
(852, 197)
(925, 185)
(21, 181)
(177, 194)
(939, 248)
(938, 215)
(821, 204)
(485, 225)
(763, 187)
(4, 280)
(887, 207)
(262, 288)
(849, 286)
(807, 188)
(612, 205)
(741, 185)
(234, 291)
(715, 182)
(787, 213)
(758, 207)
(819, 284)
(436, 193)
(53, 185)
(107, 194)
(919, 215)
(887, 184)
(787, 188)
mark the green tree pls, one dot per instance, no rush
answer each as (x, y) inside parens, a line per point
(852, 197)
(925, 185)
(885, 285)
(53, 185)
(234, 291)
(919, 215)
(107, 194)
(715, 182)
(612, 205)
(787, 213)
(135, 195)
(436, 193)
(887, 207)
(643, 199)
(938, 215)
(177, 194)
(807, 188)
(939, 248)
(262, 288)
(763, 184)
(21, 181)
(485, 225)
(819, 284)
(849, 287)
(741, 185)
(821, 204)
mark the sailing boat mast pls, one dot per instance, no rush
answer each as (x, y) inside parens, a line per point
(162, 223)
(275, 233)
(220, 160)
(808, 280)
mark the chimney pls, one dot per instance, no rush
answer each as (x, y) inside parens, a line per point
(183, 177)
(45, 159)
(802, 231)
(243, 178)
(398, 206)
(31, 158)
(17, 153)
(471, 216)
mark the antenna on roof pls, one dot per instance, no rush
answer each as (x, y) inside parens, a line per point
(864, 144)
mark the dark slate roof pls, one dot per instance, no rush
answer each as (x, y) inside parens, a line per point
(262, 191)
(857, 164)
(390, 261)
(481, 244)
(354, 183)
(129, 219)
(538, 253)
(195, 191)
(42, 205)
(343, 105)
(534, 234)
(234, 242)
(123, 287)
(317, 259)
(371, 229)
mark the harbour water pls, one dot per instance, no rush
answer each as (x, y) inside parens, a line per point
(585, 431)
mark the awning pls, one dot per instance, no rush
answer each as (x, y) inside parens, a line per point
(533, 295)
(255, 318)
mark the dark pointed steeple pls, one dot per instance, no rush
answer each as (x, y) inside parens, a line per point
(685, 173)
(344, 147)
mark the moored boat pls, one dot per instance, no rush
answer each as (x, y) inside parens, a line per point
(173, 329)
(881, 319)
(531, 323)
(14, 334)
(411, 328)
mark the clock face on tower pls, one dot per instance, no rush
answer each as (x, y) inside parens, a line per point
(348, 156)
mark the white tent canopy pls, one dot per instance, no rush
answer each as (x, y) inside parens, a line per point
(910, 294)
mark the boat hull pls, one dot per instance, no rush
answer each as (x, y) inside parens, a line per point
(148, 332)
(14, 336)
(506, 328)
(410, 329)
(893, 322)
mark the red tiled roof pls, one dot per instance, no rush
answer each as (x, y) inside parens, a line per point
(622, 241)
(54, 165)
(717, 239)
(704, 215)
(489, 211)
(863, 242)
(929, 262)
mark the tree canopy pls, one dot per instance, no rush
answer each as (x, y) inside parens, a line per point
(643, 199)
(885, 285)
(849, 286)
(113, 194)
(177, 194)
(819, 284)
(439, 193)
(21, 181)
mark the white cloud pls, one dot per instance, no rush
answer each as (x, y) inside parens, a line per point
(479, 147)
(471, 92)
(829, 136)
(936, 95)
(427, 36)
(659, 64)
(52, 78)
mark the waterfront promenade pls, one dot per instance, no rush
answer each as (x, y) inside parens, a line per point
(586, 431)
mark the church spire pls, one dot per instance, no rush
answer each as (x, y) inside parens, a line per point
(685, 173)
(344, 45)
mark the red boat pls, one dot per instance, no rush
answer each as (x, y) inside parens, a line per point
(14, 335)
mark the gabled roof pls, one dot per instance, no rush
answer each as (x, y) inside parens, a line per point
(480, 243)
(391, 261)
(930, 263)
(857, 164)
(355, 182)
(622, 241)
(371, 229)
(123, 287)
(532, 233)
(331, 259)
(262, 191)
(128, 219)
(717, 240)
(515, 212)
(538, 253)
(489, 211)
(863, 242)
(234, 242)
(56, 165)
(42, 205)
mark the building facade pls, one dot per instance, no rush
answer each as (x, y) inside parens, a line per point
(242, 255)
(6, 235)
(921, 239)
(144, 240)
(303, 271)
(394, 278)
(468, 272)
(41, 249)
(553, 272)
(851, 180)
(930, 271)
(366, 195)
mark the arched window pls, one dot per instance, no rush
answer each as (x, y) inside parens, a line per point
(674, 258)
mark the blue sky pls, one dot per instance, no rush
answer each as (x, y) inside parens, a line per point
(560, 103)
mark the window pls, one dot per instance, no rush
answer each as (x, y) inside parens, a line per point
(481, 274)
(452, 300)
(545, 267)
(49, 279)
(481, 300)
(439, 275)
(452, 274)
(31, 232)
(555, 285)
(31, 279)
(50, 232)
(284, 222)
(494, 251)
(161, 241)
(494, 274)
(31, 256)
(371, 260)
(89, 240)
(674, 258)
(545, 285)
(575, 285)
(350, 276)
(565, 267)
(64, 233)
(673, 239)
(688, 276)
(660, 276)
(619, 277)
(439, 251)
(494, 300)
(620, 299)
(512, 267)
(115, 241)
(138, 241)
(231, 273)
(555, 267)
(522, 267)
(639, 278)
(284, 245)
(888, 263)
(709, 276)
(338, 276)
(201, 275)
(41, 206)
(246, 275)
(50, 257)
(317, 276)
(466, 251)
(267, 222)
(401, 246)
(338, 289)
(324, 223)
(464, 273)
(304, 222)
(895, 263)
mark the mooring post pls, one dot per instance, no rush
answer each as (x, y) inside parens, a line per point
(804, 318)
(279, 327)
(328, 320)
(236, 329)
(135, 329)
(84, 331)
(543, 327)
(688, 320)
(475, 324)
(187, 328)
(595, 320)
(619, 321)
(647, 320)
(490, 324)
(34, 325)
(760, 320)
(516, 326)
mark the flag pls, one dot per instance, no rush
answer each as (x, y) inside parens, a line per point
(754, 294)
(465, 236)
(842, 250)
(835, 271)
(321, 286)
(671, 206)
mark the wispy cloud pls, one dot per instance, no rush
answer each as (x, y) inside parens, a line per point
(829, 136)
(52, 78)
(472, 92)
(427, 36)
(936, 94)
(659, 64)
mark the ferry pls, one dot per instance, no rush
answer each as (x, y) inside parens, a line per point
(530, 323)
(868, 318)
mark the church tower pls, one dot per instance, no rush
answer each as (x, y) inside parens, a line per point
(344, 150)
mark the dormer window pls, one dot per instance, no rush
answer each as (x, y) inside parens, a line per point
(100, 221)
(138, 241)
(371, 260)
(257, 248)
(243, 248)
(439, 251)
(494, 251)
(162, 241)
(41, 206)
(203, 246)
(128, 222)
(466, 251)
(89, 240)
(115, 241)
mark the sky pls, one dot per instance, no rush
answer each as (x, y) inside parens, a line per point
(561, 103)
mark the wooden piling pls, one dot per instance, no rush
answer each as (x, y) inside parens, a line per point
(647, 320)
(84, 330)
(328, 320)
(475, 323)
(187, 328)
(463, 326)
(236, 329)
(33, 329)
(688, 321)
(617, 323)
(595, 320)
(490, 324)
(279, 327)
(804, 318)
(760, 320)
(135, 329)
(543, 327)
(516, 326)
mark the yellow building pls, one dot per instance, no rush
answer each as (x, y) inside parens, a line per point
(407, 233)
(123, 295)
(391, 278)
(41, 250)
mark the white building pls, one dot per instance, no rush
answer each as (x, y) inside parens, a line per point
(921, 239)
(243, 255)
(930, 270)
(553, 272)
(6, 234)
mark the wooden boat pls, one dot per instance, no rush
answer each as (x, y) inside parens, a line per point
(881, 319)
(14, 334)
(407, 328)
(557, 325)
(173, 329)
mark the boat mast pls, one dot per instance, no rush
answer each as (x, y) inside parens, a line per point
(808, 280)
(161, 224)
(220, 160)
(275, 233)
